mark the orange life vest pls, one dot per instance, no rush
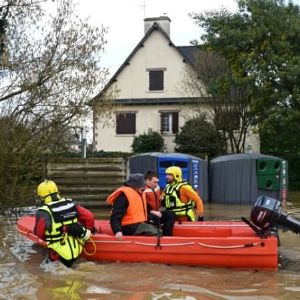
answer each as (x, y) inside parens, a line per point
(153, 197)
(137, 208)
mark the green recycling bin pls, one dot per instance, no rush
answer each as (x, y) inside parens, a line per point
(268, 173)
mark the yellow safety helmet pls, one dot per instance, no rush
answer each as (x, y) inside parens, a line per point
(176, 172)
(47, 189)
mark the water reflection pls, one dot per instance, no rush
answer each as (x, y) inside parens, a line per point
(56, 289)
(24, 273)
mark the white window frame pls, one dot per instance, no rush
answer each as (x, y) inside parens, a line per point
(170, 122)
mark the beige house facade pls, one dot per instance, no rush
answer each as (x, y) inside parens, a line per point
(149, 92)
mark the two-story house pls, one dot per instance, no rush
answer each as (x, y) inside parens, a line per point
(149, 91)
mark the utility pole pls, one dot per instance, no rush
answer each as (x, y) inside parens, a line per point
(83, 141)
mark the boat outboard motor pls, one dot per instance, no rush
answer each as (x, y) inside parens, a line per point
(267, 213)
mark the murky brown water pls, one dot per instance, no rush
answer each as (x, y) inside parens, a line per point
(25, 275)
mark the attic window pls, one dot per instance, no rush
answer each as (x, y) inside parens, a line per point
(156, 80)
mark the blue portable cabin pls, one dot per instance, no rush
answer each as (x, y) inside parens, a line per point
(194, 169)
(241, 178)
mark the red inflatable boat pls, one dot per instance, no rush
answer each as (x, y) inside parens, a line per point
(214, 244)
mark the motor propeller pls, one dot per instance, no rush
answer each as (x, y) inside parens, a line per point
(267, 213)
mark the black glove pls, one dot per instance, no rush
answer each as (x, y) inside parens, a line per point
(201, 218)
(76, 230)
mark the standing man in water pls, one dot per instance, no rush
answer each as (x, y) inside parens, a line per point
(62, 223)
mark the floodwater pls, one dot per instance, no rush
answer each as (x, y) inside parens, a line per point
(24, 274)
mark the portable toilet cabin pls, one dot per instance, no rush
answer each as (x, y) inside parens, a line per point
(241, 178)
(194, 169)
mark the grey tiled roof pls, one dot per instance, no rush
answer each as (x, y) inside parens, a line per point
(190, 53)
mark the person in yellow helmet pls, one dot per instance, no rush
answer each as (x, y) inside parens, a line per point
(180, 197)
(62, 223)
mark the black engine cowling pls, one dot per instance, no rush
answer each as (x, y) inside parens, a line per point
(267, 213)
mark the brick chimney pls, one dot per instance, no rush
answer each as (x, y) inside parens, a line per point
(163, 21)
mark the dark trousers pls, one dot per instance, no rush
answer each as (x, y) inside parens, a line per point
(140, 229)
(166, 221)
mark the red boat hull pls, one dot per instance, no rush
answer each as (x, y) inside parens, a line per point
(214, 244)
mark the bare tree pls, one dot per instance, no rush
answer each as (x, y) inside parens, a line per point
(50, 69)
(227, 101)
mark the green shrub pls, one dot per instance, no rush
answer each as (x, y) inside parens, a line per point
(199, 136)
(151, 141)
(96, 154)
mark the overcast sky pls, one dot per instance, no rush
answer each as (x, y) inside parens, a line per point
(124, 20)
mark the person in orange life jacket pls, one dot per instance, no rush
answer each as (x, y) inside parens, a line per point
(129, 212)
(179, 197)
(157, 215)
(62, 223)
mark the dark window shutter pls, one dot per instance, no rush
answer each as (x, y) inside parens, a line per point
(161, 122)
(156, 80)
(175, 122)
(125, 123)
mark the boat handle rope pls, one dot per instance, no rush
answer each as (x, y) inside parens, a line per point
(94, 245)
(28, 233)
(165, 245)
(112, 242)
(229, 247)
